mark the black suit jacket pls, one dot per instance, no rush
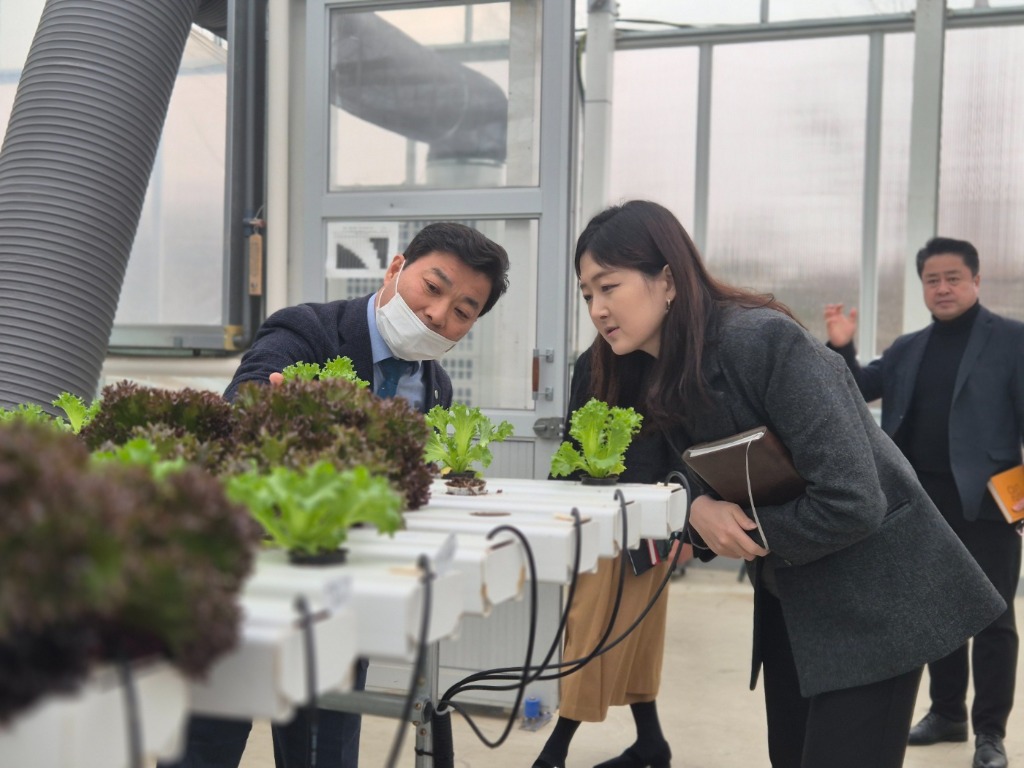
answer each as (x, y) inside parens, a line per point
(986, 421)
(316, 333)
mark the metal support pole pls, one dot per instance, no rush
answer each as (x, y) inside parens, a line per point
(597, 100)
(925, 135)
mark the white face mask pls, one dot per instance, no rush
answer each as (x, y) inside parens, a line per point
(404, 333)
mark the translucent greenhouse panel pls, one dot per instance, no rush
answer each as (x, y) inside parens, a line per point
(981, 192)
(175, 271)
(654, 118)
(175, 274)
(957, 5)
(443, 97)
(692, 12)
(787, 168)
(798, 10)
(894, 169)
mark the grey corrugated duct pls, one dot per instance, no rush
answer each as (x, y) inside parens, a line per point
(213, 16)
(382, 75)
(74, 168)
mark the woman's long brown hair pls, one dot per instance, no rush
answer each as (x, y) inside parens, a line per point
(645, 236)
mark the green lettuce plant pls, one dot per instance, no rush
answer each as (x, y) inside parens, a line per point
(31, 412)
(309, 511)
(339, 368)
(76, 412)
(602, 434)
(461, 436)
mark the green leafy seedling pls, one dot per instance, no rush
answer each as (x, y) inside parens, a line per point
(339, 368)
(461, 436)
(141, 452)
(603, 433)
(78, 414)
(310, 511)
(31, 412)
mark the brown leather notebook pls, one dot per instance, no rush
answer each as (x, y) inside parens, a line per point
(722, 465)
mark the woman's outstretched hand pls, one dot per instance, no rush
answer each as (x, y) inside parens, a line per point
(724, 526)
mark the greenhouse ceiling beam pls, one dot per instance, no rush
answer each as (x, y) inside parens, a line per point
(812, 28)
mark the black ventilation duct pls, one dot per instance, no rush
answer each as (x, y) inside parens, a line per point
(380, 74)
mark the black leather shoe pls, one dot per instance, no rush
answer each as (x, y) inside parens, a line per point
(989, 751)
(933, 728)
(636, 757)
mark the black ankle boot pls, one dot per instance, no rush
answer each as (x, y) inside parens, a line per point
(545, 762)
(641, 756)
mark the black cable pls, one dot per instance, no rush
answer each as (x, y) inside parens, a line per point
(312, 713)
(575, 664)
(446, 701)
(131, 711)
(427, 577)
(443, 747)
(563, 620)
(520, 674)
(599, 649)
(679, 476)
(506, 673)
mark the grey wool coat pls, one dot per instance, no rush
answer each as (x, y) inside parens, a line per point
(873, 582)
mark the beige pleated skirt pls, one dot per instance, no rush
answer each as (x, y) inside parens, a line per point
(631, 671)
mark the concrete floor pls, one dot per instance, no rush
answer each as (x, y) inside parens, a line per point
(709, 716)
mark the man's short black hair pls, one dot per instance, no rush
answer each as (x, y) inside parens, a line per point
(938, 246)
(470, 247)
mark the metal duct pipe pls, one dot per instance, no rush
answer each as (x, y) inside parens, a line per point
(380, 74)
(213, 17)
(74, 168)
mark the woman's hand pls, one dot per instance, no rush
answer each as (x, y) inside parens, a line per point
(723, 526)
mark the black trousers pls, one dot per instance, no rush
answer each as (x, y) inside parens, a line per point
(993, 651)
(862, 727)
(213, 742)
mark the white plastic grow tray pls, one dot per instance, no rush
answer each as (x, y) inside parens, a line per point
(266, 675)
(606, 513)
(491, 571)
(387, 600)
(88, 729)
(662, 505)
(552, 538)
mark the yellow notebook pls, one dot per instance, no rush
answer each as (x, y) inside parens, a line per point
(1007, 488)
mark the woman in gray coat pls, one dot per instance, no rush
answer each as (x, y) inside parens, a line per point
(858, 581)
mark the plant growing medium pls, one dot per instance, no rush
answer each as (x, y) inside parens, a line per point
(602, 434)
(103, 561)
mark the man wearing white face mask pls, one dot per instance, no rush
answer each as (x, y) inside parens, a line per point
(449, 276)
